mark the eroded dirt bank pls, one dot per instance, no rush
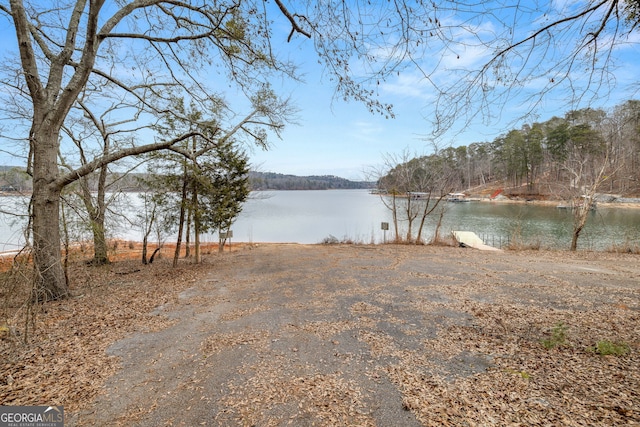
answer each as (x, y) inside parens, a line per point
(379, 336)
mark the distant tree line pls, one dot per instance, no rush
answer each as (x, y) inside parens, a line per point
(553, 158)
(276, 181)
(15, 179)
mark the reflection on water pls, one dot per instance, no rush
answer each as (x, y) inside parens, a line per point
(546, 226)
(312, 216)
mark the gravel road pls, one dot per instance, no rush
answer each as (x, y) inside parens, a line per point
(386, 335)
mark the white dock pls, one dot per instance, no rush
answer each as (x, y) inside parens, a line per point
(471, 240)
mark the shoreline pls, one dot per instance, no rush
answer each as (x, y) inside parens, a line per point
(499, 199)
(502, 199)
(131, 250)
(608, 205)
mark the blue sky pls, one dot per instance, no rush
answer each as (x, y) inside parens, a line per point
(334, 137)
(342, 138)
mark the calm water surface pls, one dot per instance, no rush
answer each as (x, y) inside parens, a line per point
(312, 216)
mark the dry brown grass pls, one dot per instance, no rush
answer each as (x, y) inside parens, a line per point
(55, 352)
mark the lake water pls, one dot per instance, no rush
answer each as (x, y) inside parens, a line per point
(356, 215)
(312, 216)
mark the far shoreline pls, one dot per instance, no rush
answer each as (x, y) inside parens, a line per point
(631, 205)
(472, 198)
(548, 202)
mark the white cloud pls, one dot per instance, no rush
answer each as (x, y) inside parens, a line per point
(409, 84)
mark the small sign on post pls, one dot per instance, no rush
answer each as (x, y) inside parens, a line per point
(226, 235)
(385, 227)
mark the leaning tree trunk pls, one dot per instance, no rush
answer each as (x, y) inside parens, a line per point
(183, 207)
(50, 281)
(580, 219)
(574, 238)
(196, 223)
(436, 234)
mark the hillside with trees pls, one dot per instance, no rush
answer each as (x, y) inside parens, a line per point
(564, 157)
(277, 181)
(15, 179)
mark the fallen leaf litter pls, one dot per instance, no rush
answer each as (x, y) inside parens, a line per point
(461, 345)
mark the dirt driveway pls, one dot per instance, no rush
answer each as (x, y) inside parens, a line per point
(387, 336)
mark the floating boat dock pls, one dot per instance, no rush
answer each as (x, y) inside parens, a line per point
(471, 240)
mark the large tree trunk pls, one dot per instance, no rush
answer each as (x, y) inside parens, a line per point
(51, 104)
(96, 221)
(100, 249)
(50, 280)
(145, 239)
(97, 216)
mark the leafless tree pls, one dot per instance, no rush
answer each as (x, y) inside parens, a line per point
(586, 160)
(151, 49)
(62, 51)
(96, 133)
(503, 50)
(622, 133)
(585, 202)
(412, 187)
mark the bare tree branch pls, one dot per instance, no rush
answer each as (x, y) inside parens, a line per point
(295, 28)
(88, 168)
